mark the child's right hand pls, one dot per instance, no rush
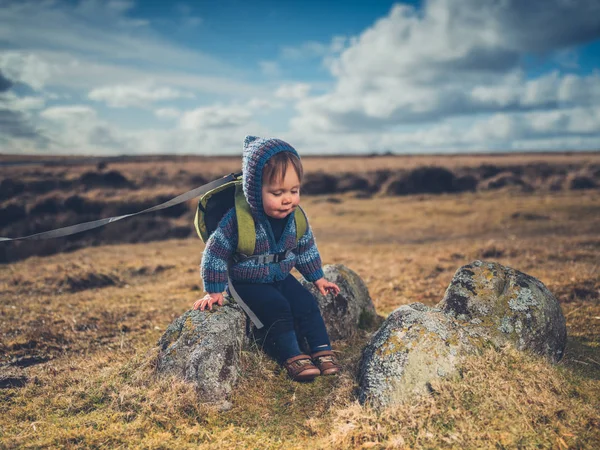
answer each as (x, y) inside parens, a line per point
(208, 300)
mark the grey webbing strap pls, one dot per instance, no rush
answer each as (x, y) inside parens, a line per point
(263, 259)
(66, 231)
(243, 305)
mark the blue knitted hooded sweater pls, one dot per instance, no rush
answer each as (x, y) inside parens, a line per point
(222, 244)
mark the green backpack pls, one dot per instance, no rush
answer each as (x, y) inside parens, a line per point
(213, 205)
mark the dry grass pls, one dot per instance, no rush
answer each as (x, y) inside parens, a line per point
(524, 403)
(95, 315)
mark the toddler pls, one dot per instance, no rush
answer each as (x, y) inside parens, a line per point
(272, 175)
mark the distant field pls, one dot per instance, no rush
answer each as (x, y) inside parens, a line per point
(36, 197)
(337, 164)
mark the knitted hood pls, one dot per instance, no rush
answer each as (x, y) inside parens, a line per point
(257, 151)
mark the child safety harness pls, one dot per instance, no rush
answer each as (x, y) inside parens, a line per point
(213, 205)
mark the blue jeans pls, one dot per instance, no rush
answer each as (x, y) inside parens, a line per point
(281, 306)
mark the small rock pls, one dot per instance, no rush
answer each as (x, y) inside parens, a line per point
(352, 309)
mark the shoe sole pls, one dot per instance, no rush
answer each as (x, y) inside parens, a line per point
(306, 376)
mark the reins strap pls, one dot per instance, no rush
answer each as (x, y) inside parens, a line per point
(66, 231)
(255, 320)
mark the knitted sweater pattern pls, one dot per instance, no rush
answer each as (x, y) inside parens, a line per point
(222, 244)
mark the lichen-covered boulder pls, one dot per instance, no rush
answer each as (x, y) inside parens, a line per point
(203, 347)
(502, 305)
(415, 345)
(352, 309)
(486, 303)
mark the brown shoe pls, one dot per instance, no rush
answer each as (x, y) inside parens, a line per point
(301, 368)
(326, 362)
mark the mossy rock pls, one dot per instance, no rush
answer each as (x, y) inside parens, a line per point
(349, 311)
(415, 345)
(486, 304)
(203, 347)
(503, 305)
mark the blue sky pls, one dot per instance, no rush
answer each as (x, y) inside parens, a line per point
(125, 77)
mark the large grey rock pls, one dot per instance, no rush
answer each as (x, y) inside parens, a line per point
(502, 305)
(203, 347)
(352, 309)
(414, 345)
(486, 303)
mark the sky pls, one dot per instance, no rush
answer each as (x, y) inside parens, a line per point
(91, 77)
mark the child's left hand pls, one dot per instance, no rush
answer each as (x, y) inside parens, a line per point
(325, 287)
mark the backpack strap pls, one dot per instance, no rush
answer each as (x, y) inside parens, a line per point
(263, 259)
(245, 223)
(301, 223)
(247, 232)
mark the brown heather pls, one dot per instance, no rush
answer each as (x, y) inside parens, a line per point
(86, 324)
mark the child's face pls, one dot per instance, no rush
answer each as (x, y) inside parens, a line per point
(282, 196)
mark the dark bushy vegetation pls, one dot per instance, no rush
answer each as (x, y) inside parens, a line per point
(38, 201)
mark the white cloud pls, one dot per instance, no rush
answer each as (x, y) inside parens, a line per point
(564, 143)
(26, 68)
(270, 68)
(310, 49)
(552, 130)
(263, 104)
(79, 127)
(120, 6)
(82, 46)
(453, 58)
(98, 31)
(79, 73)
(548, 91)
(167, 113)
(9, 100)
(72, 113)
(216, 129)
(294, 91)
(141, 95)
(187, 17)
(215, 116)
(442, 77)
(313, 49)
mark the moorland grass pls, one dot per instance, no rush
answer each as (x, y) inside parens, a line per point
(97, 313)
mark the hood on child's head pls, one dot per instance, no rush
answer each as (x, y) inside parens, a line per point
(257, 151)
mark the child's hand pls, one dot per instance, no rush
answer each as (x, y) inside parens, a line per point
(325, 286)
(208, 300)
